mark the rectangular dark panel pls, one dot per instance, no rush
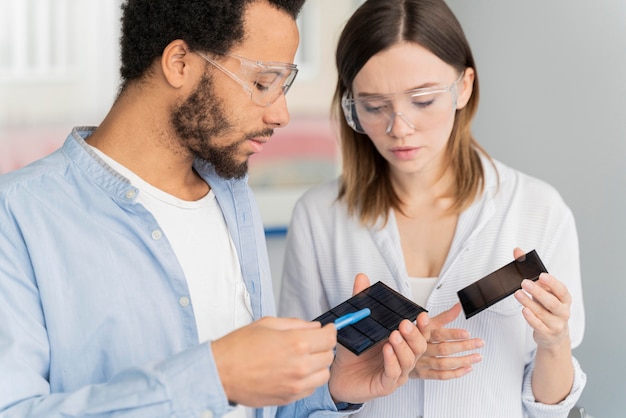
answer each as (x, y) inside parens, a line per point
(503, 282)
(388, 308)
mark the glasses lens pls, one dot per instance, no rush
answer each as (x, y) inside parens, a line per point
(271, 82)
(265, 82)
(374, 114)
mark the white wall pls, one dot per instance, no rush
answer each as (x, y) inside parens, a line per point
(553, 86)
(68, 71)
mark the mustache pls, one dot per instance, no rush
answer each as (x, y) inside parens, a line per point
(268, 132)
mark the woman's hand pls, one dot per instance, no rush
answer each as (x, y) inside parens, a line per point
(440, 361)
(547, 309)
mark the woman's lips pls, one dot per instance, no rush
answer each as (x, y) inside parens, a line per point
(405, 153)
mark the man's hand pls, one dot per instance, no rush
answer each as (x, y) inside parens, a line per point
(383, 368)
(440, 362)
(274, 361)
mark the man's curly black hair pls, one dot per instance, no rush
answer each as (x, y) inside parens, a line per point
(148, 26)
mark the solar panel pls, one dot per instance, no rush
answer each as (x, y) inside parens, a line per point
(388, 308)
(503, 282)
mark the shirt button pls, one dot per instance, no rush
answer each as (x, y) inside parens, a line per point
(156, 235)
(131, 193)
(207, 414)
(184, 302)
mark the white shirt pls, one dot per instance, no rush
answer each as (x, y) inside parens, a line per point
(326, 248)
(421, 288)
(197, 231)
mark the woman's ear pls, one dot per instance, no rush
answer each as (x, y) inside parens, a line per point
(465, 88)
(175, 63)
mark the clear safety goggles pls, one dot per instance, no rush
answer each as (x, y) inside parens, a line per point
(265, 82)
(376, 114)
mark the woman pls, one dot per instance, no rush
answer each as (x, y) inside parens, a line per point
(422, 207)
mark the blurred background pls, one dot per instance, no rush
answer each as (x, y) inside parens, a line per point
(553, 91)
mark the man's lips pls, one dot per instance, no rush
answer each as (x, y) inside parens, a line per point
(257, 143)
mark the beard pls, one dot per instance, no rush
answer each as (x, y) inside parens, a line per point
(199, 120)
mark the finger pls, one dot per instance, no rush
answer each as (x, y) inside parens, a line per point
(319, 361)
(423, 324)
(287, 323)
(409, 345)
(427, 365)
(413, 336)
(449, 348)
(448, 334)
(534, 321)
(537, 316)
(315, 340)
(391, 361)
(554, 286)
(361, 282)
(432, 374)
(527, 300)
(448, 363)
(305, 386)
(518, 252)
(446, 316)
(548, 300)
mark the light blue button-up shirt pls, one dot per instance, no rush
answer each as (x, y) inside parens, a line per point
(95, 319)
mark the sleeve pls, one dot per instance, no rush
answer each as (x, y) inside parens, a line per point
(302, 296)
(318, 405)
(562, 259)
(560, 410)
(184, 385)
(301, 293)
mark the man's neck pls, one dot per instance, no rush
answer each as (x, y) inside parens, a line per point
(139, 138)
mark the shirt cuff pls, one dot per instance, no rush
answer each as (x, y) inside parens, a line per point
(536, 409)
(194, 383)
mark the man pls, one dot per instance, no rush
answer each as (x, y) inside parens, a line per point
(134, 279)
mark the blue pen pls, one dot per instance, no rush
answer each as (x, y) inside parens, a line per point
(351, 318)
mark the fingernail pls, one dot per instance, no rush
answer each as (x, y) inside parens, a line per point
(408, 327)
(479, 343)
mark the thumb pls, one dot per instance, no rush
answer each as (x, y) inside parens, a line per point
(446, 316)
(518, 252)
(361, 282)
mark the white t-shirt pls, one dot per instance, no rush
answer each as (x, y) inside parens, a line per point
(197, 232)
(421, 288)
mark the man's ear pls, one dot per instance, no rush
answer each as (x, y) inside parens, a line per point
(465, 88)
(176, 63)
